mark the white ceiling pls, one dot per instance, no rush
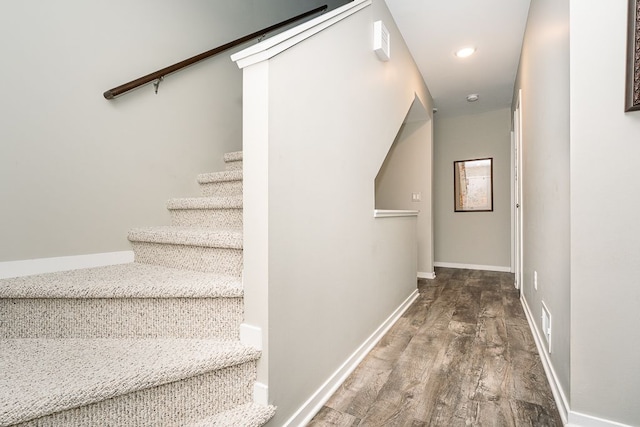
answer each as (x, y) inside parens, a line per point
(435, 29)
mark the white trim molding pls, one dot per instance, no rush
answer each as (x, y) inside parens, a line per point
(388, 213)
(271, 47)
(576, 419)
(261, 394)
(51, 265)
(558, 393)
(569, 418)
(422, 275)
(506, 269)
(310, 408)
(251, 336)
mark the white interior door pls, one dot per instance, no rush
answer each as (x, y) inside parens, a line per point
(517, 192)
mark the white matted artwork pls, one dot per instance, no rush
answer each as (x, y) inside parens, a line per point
(473, 185)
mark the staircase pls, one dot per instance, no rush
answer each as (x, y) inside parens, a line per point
(151, 343)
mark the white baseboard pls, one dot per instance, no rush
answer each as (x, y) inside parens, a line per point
(51, 265)
(261, 394)
(569, 418)
(558, 393)
(576, 419)
(472, 266)
(251, 336)
(422, 275)
(311, 407)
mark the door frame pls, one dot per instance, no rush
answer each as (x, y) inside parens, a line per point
(517, 246)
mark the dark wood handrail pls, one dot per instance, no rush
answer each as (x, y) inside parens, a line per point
(158, 75)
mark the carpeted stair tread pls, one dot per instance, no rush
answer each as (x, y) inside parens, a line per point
(133, 280)
(44, 376)
(233, 156)
(222, 202)
(223, 176)
(189, 236)
(248, 415)
(233, 161)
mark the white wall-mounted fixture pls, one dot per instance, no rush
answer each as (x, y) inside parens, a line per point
(465, 52)
(546, 325)
(381, 41)
(473, 97)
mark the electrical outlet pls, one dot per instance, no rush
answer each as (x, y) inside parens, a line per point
(535, 280)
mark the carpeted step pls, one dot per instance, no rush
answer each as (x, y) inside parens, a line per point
(233, 161)
(222, 212)
(191, 248)
(225, 183)
(107, 382)
(248, 415)
(122, 301)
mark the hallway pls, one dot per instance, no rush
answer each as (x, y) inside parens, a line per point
(462, 355)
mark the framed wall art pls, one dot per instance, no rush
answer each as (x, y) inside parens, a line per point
(473, 185)
(632, 98)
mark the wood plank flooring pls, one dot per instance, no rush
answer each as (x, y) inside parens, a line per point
(461, 355)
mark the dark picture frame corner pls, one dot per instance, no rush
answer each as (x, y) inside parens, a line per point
(632, 98)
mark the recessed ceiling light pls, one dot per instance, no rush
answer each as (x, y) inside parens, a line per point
(465, 51)
(473, 97)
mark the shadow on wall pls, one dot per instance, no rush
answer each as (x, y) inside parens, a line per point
(401, 179)
(405, 179)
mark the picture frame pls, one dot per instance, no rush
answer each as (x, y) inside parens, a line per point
(473, 185)
(632, 98)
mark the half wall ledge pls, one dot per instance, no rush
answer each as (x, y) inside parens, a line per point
(387, 213)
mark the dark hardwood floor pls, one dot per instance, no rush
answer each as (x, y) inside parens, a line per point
(461, 355)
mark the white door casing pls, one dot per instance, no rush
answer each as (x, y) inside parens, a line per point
(517, 193)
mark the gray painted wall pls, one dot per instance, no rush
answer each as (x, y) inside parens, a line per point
(408, 169)
(330, 271)
(543, 77)
(579, 211)
(476, 238)
(605, 249)
(77, 171)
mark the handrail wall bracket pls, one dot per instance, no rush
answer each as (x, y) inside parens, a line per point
(156, 84)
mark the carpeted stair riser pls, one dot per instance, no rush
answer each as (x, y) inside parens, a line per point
(216, 212)
(216, 260)
(211, 318)
(226, 218)
(192, 248)
(174, 404)
(234, 166)
(227, 183)
(227, 188)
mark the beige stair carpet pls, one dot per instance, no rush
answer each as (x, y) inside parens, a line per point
(122, 301)
(154, 342)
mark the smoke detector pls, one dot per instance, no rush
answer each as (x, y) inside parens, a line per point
(473, 97)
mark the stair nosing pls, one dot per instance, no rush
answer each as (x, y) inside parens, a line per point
(264, 412)
(140, 281)
(233, 156)
(222, 176)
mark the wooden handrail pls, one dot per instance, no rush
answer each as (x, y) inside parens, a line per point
(158, 75)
